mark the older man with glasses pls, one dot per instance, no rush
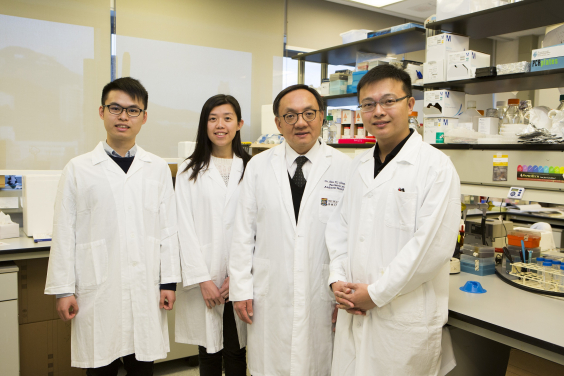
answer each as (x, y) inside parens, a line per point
(279, 265)
(391, 240)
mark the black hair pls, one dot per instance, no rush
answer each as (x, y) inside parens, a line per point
(200, 158)
(130, 86)
(289, 89)
(381, 72)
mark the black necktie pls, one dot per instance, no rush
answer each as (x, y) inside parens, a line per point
(299, 178)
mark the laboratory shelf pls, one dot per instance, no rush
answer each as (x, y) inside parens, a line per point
(351, 98)
(500, 147)
(397, 43)
(505, 83)
(524, 15)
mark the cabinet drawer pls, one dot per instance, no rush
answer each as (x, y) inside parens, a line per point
(8, 286)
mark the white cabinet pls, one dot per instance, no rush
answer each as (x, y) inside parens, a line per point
(9, 337)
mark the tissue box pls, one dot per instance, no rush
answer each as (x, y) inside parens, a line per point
(462, 65)
(439, 46)
(434, 71)
(443, 103)
(11, 230)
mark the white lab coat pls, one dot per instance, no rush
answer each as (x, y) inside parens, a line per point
(400, 243)
(206, 210)
(285, 269)
(114, 241)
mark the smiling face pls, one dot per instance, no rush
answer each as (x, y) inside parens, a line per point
(122, 128)
(388, 125)
(223, 126)
(302, 135)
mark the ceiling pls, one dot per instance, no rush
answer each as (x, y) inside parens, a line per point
(416, 10)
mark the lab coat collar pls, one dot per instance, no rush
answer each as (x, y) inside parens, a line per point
(410, 150)
(280, 168)
(100, 155)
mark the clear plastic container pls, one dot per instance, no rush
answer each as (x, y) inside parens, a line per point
(476, 265)
(561, 279)
(478, 251)
(325, 129)
(526, 108)
(413, 122)
(546, 276)
(540, 260)
(513, 114)
(556, 264)
(470, 118)
(501, 108)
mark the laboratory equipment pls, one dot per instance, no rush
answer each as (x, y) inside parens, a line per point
(332, 130)
(526, 107)
(556, 264)
(561, 279)
(513, 114)
(473, 287)
(470, 119)
(516, 193)
(477, 265)
(493, 231)
(501, 108)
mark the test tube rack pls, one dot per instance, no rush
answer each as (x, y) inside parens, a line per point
(531, 279)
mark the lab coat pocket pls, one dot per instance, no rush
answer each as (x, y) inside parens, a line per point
(400, 211)
(327, 203)
(326, 293)
(151, 195)
(91, 264)
(261, 278)
(154, 254)
(408, 308)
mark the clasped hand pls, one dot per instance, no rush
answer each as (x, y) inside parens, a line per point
(352, 297)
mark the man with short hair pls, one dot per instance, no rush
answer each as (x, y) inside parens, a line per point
(391, 239)
(114, 241)
(279, 263)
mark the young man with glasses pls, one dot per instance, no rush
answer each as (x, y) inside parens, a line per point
(114, 241)
(390, 241)
(279, 265)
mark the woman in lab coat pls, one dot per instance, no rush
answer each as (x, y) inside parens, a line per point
(207, 189)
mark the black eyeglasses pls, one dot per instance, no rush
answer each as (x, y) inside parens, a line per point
(387, 101)
(292, 118)
(116, 109)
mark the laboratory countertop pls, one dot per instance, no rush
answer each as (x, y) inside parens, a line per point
(528, 317)
(21, 245)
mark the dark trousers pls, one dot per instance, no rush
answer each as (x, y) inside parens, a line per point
(234, 357)
(133, 367)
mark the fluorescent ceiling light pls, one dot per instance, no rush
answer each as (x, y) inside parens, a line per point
(377, 3)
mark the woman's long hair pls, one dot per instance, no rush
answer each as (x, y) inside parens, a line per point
(200, 158)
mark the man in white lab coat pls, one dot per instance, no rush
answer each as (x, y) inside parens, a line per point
(391, 239)
(114, 262)
(279, 263)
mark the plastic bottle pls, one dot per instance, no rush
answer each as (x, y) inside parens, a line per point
(470, 118)
(556, 264)
(561, 105)
(413, 122)
(332, 139)
(501, 108)
(325, 129)
(513, 114)
(526, 107)
(540, 260)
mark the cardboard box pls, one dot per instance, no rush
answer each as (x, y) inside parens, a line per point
(462, 65)
(33, 304)
(524, 364)
(434, 129)
(547, 64)
(548, 52)
(347, 117)
(45, 349)
(488, 125)
(337, 113)
(443, 103)
(439, 46)
(2, 181)
(434, 71)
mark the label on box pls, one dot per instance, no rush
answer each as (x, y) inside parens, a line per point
(488, 125)
(547, 64)
(549, 174)
(500, 165)
(435, 40)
